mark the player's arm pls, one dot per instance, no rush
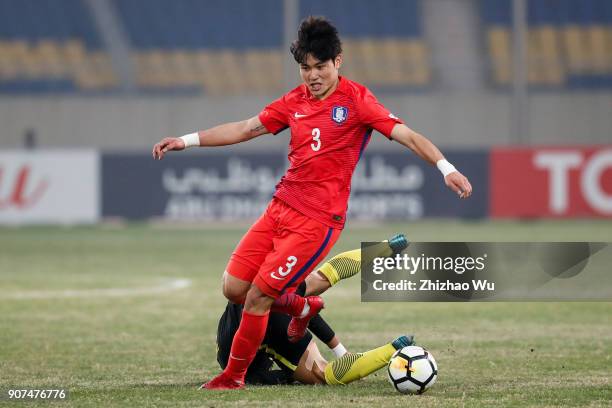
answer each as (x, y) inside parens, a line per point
(222, 135)
(320, 328)
(427, 151)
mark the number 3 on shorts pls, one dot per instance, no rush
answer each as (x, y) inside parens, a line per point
(316, 136)
(291, 261)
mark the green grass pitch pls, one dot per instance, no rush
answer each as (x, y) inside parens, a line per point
(86, 309)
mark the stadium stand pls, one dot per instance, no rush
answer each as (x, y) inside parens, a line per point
(224, 47)
(569, 42)
(214, 46)
(50, 46)
(178, 45)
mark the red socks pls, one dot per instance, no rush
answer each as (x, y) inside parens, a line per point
(246, 342)
(251, 332)
(289, 303)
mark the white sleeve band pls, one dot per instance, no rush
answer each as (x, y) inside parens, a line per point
(191, 140)
(445, 167)
(339, 350)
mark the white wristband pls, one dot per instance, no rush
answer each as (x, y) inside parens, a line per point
(191, 140)
(339, 350)
(445, 167)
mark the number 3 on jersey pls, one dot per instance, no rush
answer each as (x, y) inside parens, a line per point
(316, 137)
(291, 261)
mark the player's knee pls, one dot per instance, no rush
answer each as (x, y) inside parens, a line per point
(257, 302)
(316, 283)
(320, 376)
(234, 295)
(234, 289)
(311, 367)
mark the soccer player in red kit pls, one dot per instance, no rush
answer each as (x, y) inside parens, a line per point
(331, 120)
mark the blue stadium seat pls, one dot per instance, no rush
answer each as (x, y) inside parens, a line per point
(34, 20)
(197, 24)
(569, 41)
(367, 19)
(45, 33)
(496, 12)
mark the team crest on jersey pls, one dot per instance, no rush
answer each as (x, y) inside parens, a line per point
(339, 114)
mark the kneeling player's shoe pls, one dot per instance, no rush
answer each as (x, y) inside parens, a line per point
(403, 341)
(398, 243)
(222, 382)
(298, 325)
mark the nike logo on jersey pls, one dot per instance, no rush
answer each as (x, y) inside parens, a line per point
(298, 115)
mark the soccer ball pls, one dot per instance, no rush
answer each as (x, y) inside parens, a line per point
(412, 370)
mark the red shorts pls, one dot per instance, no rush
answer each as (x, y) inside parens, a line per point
(281, 249)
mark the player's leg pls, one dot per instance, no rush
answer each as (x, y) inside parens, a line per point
(347, 264)
(313, 369)
(226, 328)
(243, 266)
(235, 289)
(299, 244)
(354, 366)
(246, 341)
(248, 256)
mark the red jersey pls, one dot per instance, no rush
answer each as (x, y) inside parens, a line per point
(327, 140)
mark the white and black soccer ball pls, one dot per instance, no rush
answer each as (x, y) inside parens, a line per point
(412, 370)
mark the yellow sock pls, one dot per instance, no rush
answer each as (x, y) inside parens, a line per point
(354, 366)
(342, 266)
(348, 264)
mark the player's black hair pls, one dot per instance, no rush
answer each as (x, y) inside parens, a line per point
(316, 36)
